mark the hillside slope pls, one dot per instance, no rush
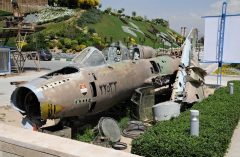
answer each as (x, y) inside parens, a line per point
(96, 28)
(112, 26)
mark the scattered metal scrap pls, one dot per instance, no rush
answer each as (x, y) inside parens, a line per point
(134, 129)
(109, 134)
(189, 85)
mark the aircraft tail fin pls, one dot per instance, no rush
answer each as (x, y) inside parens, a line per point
(190, 77)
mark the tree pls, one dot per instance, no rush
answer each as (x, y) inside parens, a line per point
(108, 10)
(120, 11)
(160, 21)
(86, 4)
(134, 13)
(145, 18)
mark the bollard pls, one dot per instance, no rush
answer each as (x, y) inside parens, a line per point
(194, 130)
(231, 88)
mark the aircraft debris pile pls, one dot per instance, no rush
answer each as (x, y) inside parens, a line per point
(96, 81)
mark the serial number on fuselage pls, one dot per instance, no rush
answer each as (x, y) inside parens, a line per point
(108, 88)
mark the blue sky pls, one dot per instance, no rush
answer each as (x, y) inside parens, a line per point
(178, 12)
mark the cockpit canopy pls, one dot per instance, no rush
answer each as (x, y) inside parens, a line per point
(116, 52)
(90, 56)
(142, 52)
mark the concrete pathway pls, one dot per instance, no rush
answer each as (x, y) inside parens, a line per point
(212, 80)
(234, 149)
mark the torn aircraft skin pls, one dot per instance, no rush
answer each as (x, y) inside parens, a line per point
(89, 85)
(189, 85)
(96, 81)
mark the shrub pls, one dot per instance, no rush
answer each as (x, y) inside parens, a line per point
(64, 18)
(71, 32)
(124, 21)
(237, 66)
(74, 42)
(219, 116)
(151, 31)
(108, 10)
(137, 18)
(59, 45)
(29, 47)
(73, 47)
(61, 40)
(4, 13)
(78, 48)
(51, 45)
(91, 16)
(64, 50)
(148, 36)
(87, 136)
(82, 46)
(36, 41)
(91, 30)
(115, 14)
(162, 22)
(67, 42)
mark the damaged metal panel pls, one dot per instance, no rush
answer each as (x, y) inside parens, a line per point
(97, 81)
(89, 86)
(194, 92)
(143, 99)
(189, 85)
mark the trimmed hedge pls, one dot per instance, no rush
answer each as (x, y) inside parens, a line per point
(219, 116)
(4, 13)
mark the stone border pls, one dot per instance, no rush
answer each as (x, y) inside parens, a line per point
(20, 142)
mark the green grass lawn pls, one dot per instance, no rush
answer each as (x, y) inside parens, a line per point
(111, 26)
(54, 27)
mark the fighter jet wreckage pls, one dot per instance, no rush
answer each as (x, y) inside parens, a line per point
(96, 81)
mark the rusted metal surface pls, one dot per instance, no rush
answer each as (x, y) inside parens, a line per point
(143, 100)
(97, 81)
(86, 89)
(189, 84)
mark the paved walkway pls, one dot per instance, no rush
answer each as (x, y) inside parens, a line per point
(234, 149)
(6, 89)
